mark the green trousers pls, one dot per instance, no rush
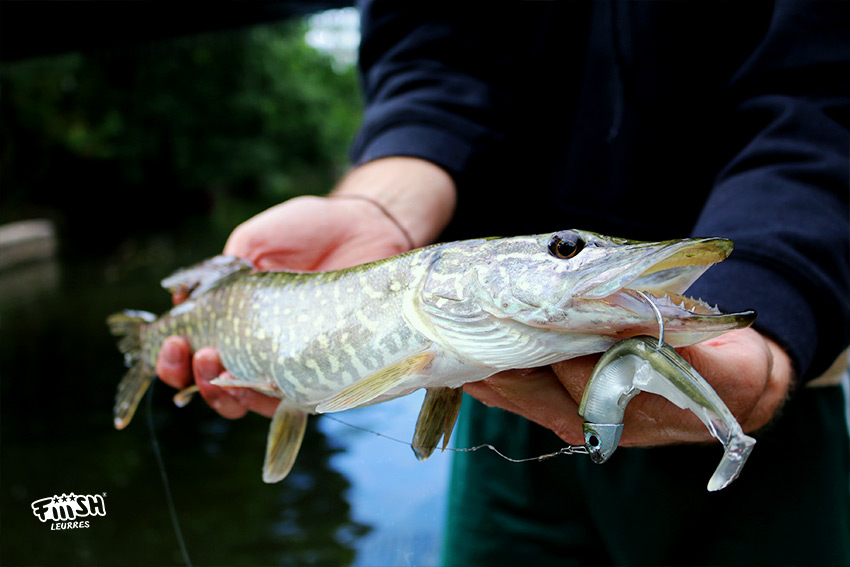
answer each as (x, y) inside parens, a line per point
(790, 506)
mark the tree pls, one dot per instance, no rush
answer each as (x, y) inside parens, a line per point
(162, 130)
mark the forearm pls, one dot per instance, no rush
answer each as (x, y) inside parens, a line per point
(419, 195)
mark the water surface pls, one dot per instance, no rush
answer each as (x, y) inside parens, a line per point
(353, 498)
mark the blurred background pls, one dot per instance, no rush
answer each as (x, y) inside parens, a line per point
(133, 138)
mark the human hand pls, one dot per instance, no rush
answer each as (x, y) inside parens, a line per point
(750, 372)
(320, 234)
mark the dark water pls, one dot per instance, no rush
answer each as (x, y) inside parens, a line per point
(353, 498)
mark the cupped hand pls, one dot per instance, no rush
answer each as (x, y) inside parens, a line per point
(750, 372)
(303, 234)
(317, 234)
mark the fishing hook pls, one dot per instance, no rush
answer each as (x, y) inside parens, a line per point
(657, 317)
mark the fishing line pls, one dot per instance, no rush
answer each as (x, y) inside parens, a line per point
(568, 450)
(172, 510)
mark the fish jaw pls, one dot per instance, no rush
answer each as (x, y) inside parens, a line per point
(686, 320)
(665, 267)
(621, 278)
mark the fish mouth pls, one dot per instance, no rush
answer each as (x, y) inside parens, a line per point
(660, 273)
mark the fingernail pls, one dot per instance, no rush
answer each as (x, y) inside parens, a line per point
(207, 369)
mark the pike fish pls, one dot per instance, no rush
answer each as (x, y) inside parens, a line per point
(436, 318)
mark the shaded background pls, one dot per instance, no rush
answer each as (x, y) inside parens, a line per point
(143, 133)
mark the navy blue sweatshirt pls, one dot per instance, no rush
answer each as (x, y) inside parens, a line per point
(645, 120)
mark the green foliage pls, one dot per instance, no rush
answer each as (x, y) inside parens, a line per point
(254, 115)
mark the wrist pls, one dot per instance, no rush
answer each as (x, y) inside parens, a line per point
(411, 244)
(418, 196)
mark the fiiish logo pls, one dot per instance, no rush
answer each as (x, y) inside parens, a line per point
(63, 510)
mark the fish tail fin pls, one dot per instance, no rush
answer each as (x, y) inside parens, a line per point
(128, 325)
(284, 441)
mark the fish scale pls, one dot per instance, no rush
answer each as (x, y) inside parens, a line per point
(238, 319)
(435, 318)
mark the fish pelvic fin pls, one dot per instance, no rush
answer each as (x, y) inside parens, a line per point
(367, 389)
(436, 419)
(130, 391)
(284, 441)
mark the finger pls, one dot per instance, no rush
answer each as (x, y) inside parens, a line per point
(781, 376)
(736, 367)
(179, 296)
(574, 374)
(488, 396)
(750, 372)
(535, 394)
(173, 364)
(649, 419)
(207, 367)
(254, 401)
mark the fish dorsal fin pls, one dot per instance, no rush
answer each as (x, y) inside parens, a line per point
(367, 389)
(285, 435)
(200, 278)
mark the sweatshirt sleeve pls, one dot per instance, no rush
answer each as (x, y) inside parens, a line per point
(440, 83)
(782, 196)
(434, 81)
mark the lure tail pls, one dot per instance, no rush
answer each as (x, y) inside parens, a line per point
(129, 325)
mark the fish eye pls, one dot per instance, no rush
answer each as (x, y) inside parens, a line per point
(565, 245)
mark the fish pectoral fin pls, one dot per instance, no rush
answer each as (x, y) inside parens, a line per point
(184, 396)
(200, 278)
(285, 435)
(436, 419)
(367, 389)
